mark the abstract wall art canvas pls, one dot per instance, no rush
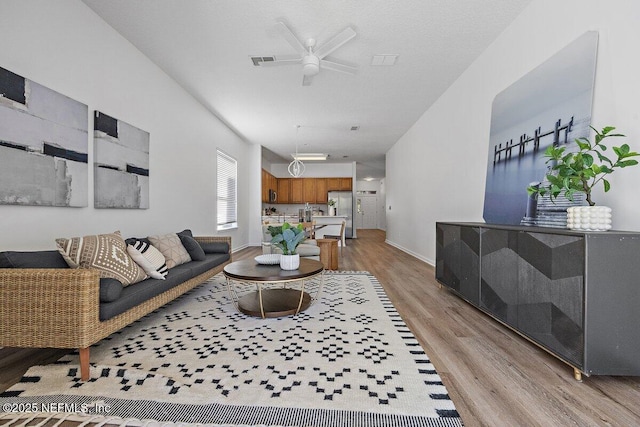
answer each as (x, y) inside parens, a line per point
(550, 105)
(43, 145)
(121, 164)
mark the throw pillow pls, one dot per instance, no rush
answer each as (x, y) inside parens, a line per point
(192, 246)
(149, 258)
(104, 252)
(172, 249)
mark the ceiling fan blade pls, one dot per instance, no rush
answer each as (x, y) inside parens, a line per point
(282, 60)
(306, 80)
(343, 37)
(291, 38)
(336, 66)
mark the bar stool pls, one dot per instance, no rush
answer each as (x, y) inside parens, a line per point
(341, 239)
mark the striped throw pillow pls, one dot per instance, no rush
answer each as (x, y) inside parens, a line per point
(149, 258)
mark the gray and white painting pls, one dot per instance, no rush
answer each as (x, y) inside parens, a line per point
(121, 164)
(550, 105)
(43, 145)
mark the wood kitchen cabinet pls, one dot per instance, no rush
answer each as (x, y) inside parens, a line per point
(269, 182)
(296, 191)
(345, 184)
(309, 190)
(333, 184)
(339, 184)
(284, 190)
(321, 191)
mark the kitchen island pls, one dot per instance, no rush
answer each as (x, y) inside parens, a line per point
(329, 225)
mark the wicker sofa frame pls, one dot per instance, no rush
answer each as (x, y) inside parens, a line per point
(59, 308)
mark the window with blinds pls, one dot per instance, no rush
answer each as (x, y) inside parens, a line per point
(227, 191)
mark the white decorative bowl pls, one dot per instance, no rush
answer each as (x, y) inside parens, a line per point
(269, 259)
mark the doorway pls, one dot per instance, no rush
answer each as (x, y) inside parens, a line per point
(366, 211)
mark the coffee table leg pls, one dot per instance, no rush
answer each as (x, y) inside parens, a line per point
(233, 295)
(260, 299)
(319, 290)
(301, 296)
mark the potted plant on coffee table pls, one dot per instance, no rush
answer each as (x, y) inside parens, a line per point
(580, 172)
(287, 238)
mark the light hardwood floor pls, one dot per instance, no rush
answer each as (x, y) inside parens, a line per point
(495, 377)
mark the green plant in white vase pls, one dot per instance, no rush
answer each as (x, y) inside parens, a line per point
(582, 170)
(332, 207)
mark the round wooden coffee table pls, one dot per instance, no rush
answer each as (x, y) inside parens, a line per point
(277, 292)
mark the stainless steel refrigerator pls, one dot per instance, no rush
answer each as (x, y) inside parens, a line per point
(344, 206)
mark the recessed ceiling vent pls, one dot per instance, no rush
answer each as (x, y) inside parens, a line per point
(257, 60)
(354, 128)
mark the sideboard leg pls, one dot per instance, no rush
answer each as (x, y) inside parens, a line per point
(577, 374)
(84, 363)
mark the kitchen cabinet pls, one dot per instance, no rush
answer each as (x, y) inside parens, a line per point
(345, 184)
(321, 191)
(573, 293)
(269, 182)
(296, 191)
(284, 190)
(309, 190)
(339, 184)
(333, 184)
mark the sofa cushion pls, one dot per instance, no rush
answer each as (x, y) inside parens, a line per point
(104, 252)
(215, 247)
(110, 289)
(149, 258)
(32, 259)
(141, 292)
(172, 249)
(191, 245)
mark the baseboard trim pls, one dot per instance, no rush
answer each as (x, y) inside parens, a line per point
(412, 253)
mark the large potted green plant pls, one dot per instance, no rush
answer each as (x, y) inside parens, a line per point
(287, 238)
(580, 172)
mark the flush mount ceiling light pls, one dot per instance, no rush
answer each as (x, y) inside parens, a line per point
(296, 167)
(310, 156)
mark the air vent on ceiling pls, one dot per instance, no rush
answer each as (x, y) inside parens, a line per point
(258, 59)
(384, 60)
(355, 127)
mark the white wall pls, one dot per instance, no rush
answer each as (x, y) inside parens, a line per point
(66, 47)
(436, 171)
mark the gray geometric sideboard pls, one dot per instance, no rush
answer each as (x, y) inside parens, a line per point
(575, 294)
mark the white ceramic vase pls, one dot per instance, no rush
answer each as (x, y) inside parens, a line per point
(589, 218)
(290, 262)
(332, 211)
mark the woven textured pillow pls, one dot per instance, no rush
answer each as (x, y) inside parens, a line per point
(104, 252)
(149, 258)
(172, 248)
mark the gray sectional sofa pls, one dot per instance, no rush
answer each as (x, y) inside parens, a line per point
(46, 304)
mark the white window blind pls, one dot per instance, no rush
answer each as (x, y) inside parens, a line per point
(227, 191)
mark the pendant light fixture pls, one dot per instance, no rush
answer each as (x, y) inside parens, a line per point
(296, 167)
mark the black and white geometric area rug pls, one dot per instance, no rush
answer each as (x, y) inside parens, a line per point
(349, 360)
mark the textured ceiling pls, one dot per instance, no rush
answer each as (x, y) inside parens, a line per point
(206, 45)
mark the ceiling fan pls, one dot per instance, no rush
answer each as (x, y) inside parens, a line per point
(312, 58)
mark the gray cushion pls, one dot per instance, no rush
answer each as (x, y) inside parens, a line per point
(32, 259)
(215, 247)
(110, 289)
(133, 295)
(191, 245)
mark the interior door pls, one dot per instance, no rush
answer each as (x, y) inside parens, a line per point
(366, 212)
